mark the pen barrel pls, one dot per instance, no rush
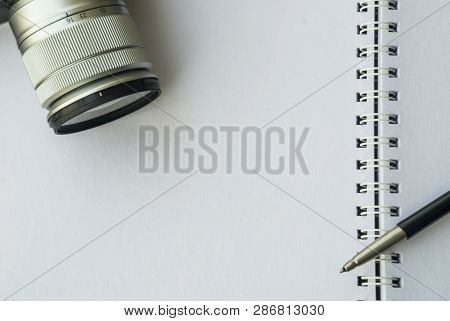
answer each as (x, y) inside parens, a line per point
(426, 216)
(380, 245)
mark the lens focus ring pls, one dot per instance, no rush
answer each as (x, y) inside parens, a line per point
(85, 50)
(85, 39)
(87, 70)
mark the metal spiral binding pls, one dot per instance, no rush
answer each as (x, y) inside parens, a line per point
(364, 73)
(376, 119)
(363, 188)
(376, 140)
(365, 96)
(389, 257)
(364, 6)
(387, 26)
(378, 280)
(366, 51)
(391, 164)
(377, 210)
(365, 234)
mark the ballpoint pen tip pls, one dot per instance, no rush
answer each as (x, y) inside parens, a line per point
(342, 270)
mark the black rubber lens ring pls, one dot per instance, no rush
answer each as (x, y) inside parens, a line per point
(81, 106)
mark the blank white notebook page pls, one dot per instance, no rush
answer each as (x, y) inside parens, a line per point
(424, 153)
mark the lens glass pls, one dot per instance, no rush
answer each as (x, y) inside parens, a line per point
(107, 108)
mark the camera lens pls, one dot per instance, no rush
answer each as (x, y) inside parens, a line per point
(85, 59)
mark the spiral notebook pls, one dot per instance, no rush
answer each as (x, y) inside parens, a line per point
(409, 130)
(369, 78)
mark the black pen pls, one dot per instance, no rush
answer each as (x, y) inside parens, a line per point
(404, 230)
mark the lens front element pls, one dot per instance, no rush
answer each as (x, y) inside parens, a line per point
(85, 60)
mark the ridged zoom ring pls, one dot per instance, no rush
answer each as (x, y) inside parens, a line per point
(86, 49)
(87, 70)
(91, 38)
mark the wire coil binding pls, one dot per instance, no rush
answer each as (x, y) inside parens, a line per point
(377, 210)
(391, 164)
(365, 119)
(365, 73)
(365, 96)
(366, 51)
(364, 188)
(376, 140)
(366, 281)
(365, 234)
(377, 94)
(386, 26)
(389, 257)
(364, 6)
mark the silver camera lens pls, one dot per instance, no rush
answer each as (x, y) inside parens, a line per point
(85, 59)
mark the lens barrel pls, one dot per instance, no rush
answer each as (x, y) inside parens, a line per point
(85, 59)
